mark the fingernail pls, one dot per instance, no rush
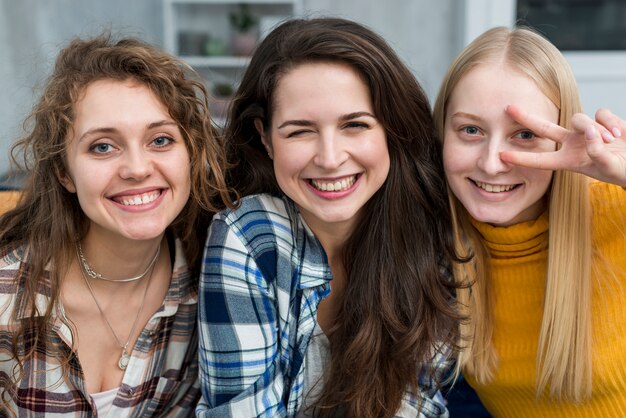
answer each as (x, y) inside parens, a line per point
(607, 137)
(616, 132)
(590, 132)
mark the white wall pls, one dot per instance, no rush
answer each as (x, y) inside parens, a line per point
(31, 33)
(424, 32)
(601, 79)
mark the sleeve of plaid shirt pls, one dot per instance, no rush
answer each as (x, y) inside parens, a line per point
(239, 361)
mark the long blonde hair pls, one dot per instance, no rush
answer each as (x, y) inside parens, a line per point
(564, 354)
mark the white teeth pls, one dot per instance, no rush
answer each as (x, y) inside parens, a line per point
(494, 188)
(336, 186)
(141, 199)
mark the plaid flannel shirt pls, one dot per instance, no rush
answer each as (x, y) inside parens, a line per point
(161, 379)
(263, 276)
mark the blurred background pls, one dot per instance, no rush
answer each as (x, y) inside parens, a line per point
(216, 37)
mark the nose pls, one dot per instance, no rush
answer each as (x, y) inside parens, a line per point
(330, 152)
(490, 161)
(136, 164)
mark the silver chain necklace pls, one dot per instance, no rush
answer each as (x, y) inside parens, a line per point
(95, 275)
(124, 359)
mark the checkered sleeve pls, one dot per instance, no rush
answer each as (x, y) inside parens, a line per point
(239, 362)
(429, 403)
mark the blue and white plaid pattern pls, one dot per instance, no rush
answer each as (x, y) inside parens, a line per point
(263, 275)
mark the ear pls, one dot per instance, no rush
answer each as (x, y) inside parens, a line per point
(258, 124)
(67, 182)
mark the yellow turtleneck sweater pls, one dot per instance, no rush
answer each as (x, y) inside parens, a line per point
(518, 266)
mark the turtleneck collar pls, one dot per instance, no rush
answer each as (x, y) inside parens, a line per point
(517, 240)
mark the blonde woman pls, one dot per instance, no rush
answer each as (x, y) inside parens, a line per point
(547, 329)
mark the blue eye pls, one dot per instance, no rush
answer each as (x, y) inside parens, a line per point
(162, 141)
(471, 130)
(101, 148)
(525, 135)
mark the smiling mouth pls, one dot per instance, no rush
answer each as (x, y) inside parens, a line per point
(495, 188)
(337, 185)
(138, 199)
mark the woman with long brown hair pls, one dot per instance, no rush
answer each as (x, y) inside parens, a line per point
(97, 297)
(323, 293)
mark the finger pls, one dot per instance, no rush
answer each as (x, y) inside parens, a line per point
(596, 149)
(581, 122)
(539, 126)
(602, 158)
(541, 160)
(594, 143)
(613, 123)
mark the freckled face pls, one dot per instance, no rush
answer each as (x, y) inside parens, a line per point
(127, 161)
(477, 129)
(329, 150)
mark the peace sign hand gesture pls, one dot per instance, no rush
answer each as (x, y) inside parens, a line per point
(594, 148)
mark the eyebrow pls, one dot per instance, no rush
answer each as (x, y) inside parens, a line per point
(466, 115)
(109, 130)
(296, 122)
(304, 122)
(479, 119)
(356, 115)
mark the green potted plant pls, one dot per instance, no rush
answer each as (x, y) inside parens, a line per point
(245, 30)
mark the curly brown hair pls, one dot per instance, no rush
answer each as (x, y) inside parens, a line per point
(48, 220)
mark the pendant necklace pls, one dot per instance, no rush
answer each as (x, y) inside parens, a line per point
(124, 356)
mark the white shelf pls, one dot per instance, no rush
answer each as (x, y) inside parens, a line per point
(287, 2)
(196, 22)
(217, 62)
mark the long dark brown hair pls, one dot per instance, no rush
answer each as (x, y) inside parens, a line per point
(48, 220)
(397, 312)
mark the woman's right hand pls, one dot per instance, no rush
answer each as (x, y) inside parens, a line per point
(594, 148)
